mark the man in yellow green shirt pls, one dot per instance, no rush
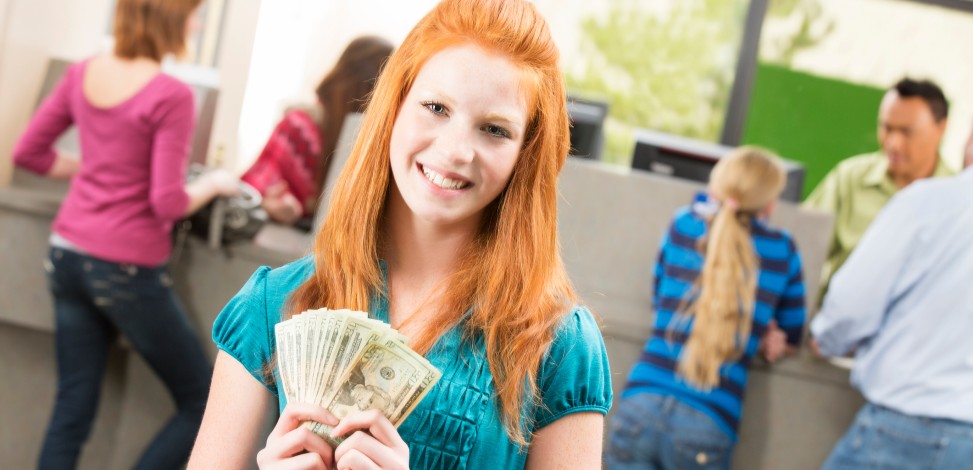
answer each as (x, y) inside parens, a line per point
(911, 122)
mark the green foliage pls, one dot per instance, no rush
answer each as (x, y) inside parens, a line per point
(670, 69)
(669, 65)
(813, 28)
(836, 118)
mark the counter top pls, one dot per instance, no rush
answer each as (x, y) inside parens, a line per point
(33, 201)
(277, 244)
(206, 278)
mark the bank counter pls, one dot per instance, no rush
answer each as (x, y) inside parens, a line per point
(610, 220)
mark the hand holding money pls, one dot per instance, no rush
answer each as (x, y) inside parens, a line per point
(291, 445)
(345, 362)
(379, 445)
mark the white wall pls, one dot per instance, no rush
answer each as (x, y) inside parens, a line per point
(275, 75)
(234, 65)
(296, 43)
(35, 31)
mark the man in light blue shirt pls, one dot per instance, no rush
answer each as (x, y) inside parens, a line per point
(903, 302)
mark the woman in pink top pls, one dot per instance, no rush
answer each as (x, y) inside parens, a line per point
(291, 169)
(110, 240)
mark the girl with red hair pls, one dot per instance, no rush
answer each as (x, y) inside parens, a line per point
(443, 223)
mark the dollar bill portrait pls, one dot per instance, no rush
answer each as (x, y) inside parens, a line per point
(370, 397)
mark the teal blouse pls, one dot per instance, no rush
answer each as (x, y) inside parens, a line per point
(457, 425)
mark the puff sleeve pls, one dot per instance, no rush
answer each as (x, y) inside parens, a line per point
(575, 376)
(243, 329)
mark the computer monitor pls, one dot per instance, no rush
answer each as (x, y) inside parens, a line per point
(682, 157)
(587, 127)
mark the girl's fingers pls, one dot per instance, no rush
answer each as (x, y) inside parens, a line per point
(297, 441)
(375, 423)
(365, 444)
(291, 445)
(308, 461)
(296, 413)
(355, 460)
(374, 438)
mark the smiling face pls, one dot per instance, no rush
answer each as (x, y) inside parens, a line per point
(457, 136)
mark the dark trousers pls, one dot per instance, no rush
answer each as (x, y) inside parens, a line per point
(94, 300)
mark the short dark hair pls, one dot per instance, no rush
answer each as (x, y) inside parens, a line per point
(928, 91)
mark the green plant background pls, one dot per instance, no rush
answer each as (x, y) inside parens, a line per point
(814, 120)
(672, 69)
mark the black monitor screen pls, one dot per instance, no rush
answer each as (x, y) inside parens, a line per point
(587, 121)
(681, 157)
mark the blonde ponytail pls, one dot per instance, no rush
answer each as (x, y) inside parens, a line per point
(746, 182)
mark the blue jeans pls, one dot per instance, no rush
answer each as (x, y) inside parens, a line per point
(882, 438)
(650, 431)
(94, 300)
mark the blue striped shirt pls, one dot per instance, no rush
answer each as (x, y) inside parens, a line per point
(779, 296)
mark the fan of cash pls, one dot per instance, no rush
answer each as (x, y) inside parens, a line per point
(345, 362)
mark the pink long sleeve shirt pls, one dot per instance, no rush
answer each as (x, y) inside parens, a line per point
(130, 188)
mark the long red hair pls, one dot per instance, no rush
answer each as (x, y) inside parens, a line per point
(512, 276)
